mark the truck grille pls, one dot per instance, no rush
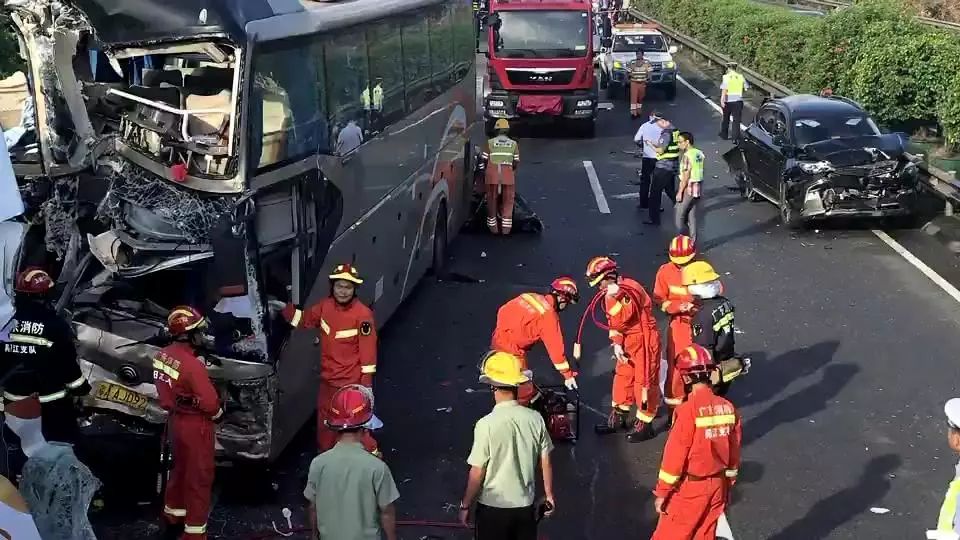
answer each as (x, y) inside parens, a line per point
(545, 77)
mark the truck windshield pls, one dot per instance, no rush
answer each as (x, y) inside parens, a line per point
(634, 43)
(542, 34)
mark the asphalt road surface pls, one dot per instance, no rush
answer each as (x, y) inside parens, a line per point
(853, 351)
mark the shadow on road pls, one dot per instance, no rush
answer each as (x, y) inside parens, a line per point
(839, 508)
(769, 377)
(802, 404)
(756, 228)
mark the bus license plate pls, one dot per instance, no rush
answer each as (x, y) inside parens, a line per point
(124, 396)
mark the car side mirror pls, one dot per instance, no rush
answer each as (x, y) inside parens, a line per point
(673, 49)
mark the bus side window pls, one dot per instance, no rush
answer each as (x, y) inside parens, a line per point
(345, 57)
(464, 40)
(386, 69)
(416, 62)
(441, 48)
(287, 119)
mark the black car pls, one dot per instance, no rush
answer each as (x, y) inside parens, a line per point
(821, 157)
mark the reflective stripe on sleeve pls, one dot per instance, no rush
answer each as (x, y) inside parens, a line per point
(730, 473)
(73, 385)
(727, 377)
(46, 398)
(164, 368)
(673, 402)
(562, 366)
(677, 289)
(33, 340)
(367, 370)
(297, 315)
(718, 420)
(325, 327)
(344, 334)
(615, 309)
(665, 305)
(613, 333)
(667, 477)
(533, 301)
(724, 321)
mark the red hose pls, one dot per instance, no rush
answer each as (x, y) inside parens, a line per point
(269, 535)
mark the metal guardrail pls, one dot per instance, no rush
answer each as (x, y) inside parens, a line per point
(938, 182)
(834, 4)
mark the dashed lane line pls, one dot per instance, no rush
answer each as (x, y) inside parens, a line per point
(936, 278)
(595, 186)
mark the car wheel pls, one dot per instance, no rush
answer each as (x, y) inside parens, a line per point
(672, 92)
(789, 216)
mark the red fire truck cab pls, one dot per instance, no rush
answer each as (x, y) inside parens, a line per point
(540, 62)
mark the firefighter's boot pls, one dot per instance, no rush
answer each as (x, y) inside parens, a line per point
(642, 431)
(492, 225)
(617, 420)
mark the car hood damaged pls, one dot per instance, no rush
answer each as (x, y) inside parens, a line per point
(852, 151)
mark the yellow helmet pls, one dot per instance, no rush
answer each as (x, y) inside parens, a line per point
(502, 369)
(699, 272)
(501, 124)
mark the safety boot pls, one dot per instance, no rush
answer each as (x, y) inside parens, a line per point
(642, 431)
(618, 419)
(492, 225)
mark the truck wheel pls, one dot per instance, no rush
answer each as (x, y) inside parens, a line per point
(671, 92)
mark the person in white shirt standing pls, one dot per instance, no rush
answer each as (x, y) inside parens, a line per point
(649, 131)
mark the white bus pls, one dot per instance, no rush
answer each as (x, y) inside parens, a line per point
(229, 153)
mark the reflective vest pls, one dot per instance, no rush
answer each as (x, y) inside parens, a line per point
(735, 83)
(377, 98)
(503, 150)
(673, 149)
(945, 528)
(639, 71)
(695, 159)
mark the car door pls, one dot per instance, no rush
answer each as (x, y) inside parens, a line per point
(765, 159)
(754, 145)
(777, 157)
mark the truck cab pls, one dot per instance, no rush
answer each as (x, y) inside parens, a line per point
(621, 49)
(540, 62)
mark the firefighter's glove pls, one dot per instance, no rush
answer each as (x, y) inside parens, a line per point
(613, 289)
(619, 354)
(571, 383)
(187, 402)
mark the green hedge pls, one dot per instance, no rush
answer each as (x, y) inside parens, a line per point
(10, 60)
(905, 73)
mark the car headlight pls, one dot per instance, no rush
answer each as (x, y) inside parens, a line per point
(617, 64)
(495, 103)
(584, 103)
(670, 65)
(816, 167)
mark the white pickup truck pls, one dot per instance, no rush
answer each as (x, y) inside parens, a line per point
(626, 40)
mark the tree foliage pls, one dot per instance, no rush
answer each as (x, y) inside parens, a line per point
(903, 72)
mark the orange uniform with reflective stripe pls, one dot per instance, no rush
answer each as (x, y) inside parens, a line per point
(348, 339)
(669, 293)
(524, 321)
(700, 463)
(633, 327)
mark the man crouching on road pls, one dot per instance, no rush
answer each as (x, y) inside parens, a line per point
(351, 492)
(507, 444)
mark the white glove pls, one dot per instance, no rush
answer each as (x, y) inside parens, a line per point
(613, 289)
(571, 383)
(619, 354)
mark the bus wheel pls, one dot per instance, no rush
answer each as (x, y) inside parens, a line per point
(439, 267)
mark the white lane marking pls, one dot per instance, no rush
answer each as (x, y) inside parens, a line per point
(723, 528)
(625, 196)
(595, 186)
(912, 259)
(593, 410)
(894, 245)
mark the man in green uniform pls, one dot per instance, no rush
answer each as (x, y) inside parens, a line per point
(351, 492)
(688, 194)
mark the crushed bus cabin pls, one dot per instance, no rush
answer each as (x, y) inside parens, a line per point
(223, 154)
(541, 62)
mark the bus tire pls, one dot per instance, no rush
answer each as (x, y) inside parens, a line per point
(440, 244)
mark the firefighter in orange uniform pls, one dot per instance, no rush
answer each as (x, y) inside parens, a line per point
(348, 346)
(701, 457)
(186, 393)
(636, 347)
(533, 317)
(672, 297)
(500, 160)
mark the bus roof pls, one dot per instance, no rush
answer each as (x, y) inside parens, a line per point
(327, 16)
(136, 21)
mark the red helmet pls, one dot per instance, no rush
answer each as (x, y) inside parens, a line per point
(346, 272)
(682, 250)
(695, 359)
(33, 281)
(598, 268)
(350, 408)
(183, 319)
(566, 289)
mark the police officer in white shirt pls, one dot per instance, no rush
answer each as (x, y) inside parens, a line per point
(649, 131)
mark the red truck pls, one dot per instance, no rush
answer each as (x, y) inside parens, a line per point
(541, 62)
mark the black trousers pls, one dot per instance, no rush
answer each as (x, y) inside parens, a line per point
(505, 523)
(664, 181)
(732, 110)
(646, 172)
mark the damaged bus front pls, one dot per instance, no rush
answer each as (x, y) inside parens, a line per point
(126, 153)
(204, 153)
